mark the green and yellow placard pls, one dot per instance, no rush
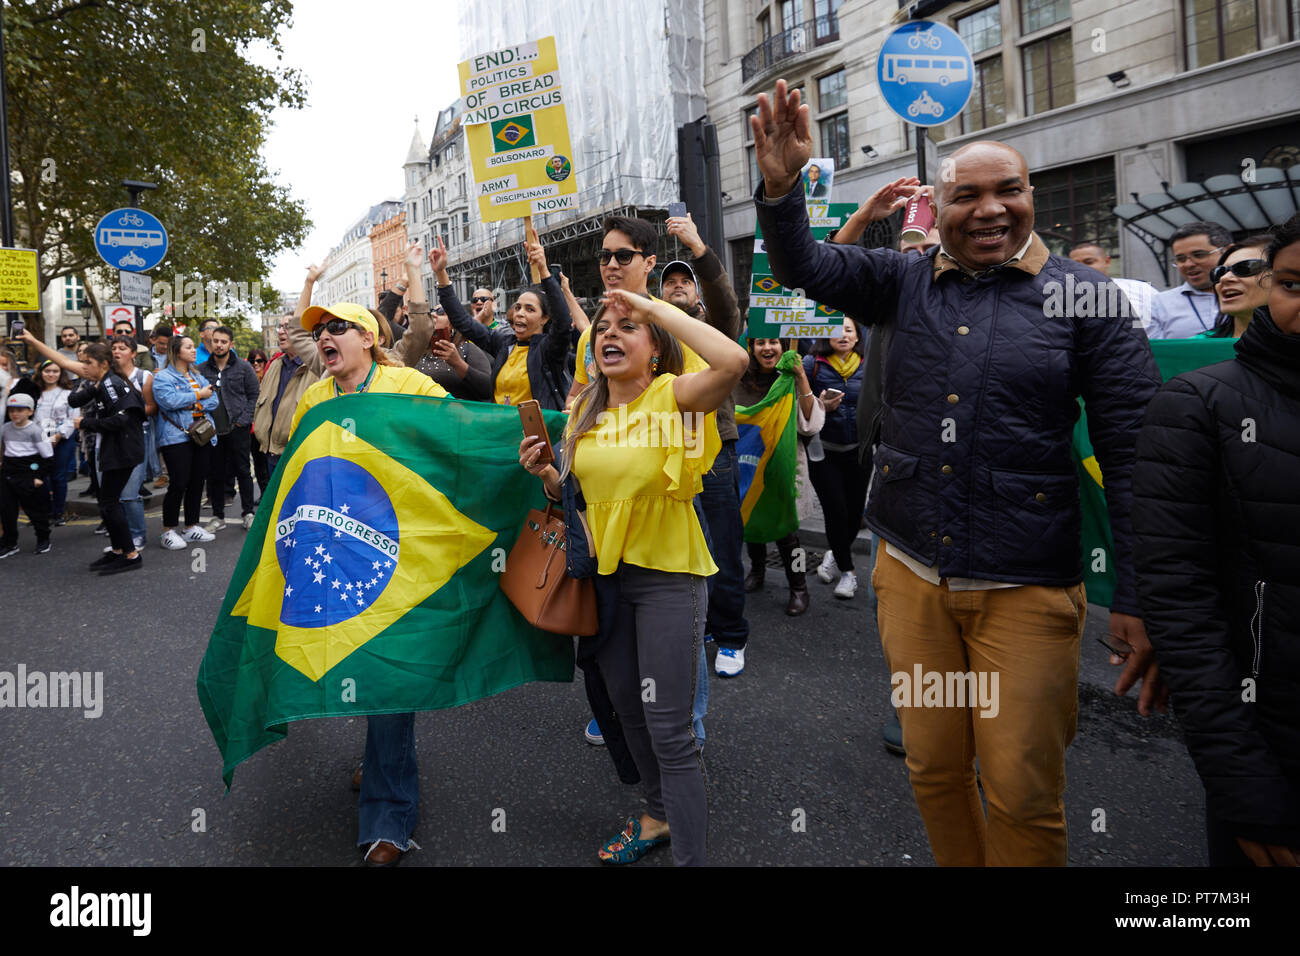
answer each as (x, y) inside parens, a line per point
(778, 312)
(517, 131)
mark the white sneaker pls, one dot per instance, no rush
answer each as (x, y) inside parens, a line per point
(248, 522)
(828, 570)
(139, 543)
(172, 541)
(848, 585)
(195, 533)
(216, 524)
(729, 661)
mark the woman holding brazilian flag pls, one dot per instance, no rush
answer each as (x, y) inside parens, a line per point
(367, 585)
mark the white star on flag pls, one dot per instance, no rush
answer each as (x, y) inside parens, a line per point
(327, 559)
(320, 549)
(320, 576)
(388, 564)
(336, 584)
(317, 608)
(307, 560)
(375, 565)
(343, 596)
(288, 592)
(343, 509)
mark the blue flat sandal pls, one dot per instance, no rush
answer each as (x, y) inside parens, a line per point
(628, 847)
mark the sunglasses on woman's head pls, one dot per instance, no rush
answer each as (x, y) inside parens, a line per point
(333, 327)
(624, 256)
(1242, 270)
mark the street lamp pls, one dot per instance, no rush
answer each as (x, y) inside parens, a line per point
(384, 277)
(86, 312)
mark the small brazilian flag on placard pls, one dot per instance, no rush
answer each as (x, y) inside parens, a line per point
(369, 583)
(516, 133)
(1173, 356)
(767, 453)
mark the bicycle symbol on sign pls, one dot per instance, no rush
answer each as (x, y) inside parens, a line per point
(924, 104)
(129, 219)
(925, 36)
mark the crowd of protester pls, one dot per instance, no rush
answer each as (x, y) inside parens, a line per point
(940, 421)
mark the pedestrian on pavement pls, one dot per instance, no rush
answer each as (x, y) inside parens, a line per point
(1215, 506)
(257, 358)
(347, 337)
(975, 495)
(1141, 295)
(286, 379)
(529, 357)
(702, 289)
(649, 545)
(1190, 309)
(236, 385)
(184, 397)
(834, 373)
(114, 413)
(56, 420)
(25, 455)
(1238, 283)
(810, 416)
(124, 364)
(203, 348)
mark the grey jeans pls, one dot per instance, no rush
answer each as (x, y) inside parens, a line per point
(650, 663)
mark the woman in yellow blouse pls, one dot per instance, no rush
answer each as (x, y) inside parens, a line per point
(639, 441)
(347, 340)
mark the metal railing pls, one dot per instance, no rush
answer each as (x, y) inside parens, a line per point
(798, 39)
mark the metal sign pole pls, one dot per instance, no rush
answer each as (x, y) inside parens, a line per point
(921, 135)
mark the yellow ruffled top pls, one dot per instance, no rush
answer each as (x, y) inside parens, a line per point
(640, 469)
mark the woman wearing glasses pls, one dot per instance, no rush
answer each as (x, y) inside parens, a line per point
(1236, 281)
(261, 474)
(1215, 508)
(459, 366)
(639, 442)
(347, 342)
(530, 356)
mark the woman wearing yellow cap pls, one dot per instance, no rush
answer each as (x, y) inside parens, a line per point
(639, 442)
(347, 341)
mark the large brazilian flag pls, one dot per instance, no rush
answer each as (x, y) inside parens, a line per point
(1173, 356)
(369, 581)
(766, 451)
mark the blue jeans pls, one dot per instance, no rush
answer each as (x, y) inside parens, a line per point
(721, 504)
(64, 468)
(389, 804)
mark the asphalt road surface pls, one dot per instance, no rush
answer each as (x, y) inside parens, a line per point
(796, 737)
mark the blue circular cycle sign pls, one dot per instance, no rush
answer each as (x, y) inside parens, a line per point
(130, 239)
(925, 73)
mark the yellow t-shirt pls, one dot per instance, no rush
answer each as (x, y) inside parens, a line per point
(584, 369)
(387, 378)
(640, 470)
(512, 385)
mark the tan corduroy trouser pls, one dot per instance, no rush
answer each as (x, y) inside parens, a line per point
(1018, 649)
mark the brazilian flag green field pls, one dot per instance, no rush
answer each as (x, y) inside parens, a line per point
(1173, 356)
(369, 582)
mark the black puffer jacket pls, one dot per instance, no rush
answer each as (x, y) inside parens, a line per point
(1216, 513)
(115, 410)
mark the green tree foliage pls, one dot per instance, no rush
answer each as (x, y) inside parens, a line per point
(170, 93)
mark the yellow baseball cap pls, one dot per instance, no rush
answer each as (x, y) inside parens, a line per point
(348, 311)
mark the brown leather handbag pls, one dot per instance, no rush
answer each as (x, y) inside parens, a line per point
(538, 584)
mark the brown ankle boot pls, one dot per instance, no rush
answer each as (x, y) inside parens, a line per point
(798, 602)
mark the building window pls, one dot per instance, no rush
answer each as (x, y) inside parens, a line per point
(832, 91)
(982, 30)
(751, 158)
(1049, 74)
(826, 25)
(1039, 14)
(1073, 204)
(74, 294)
(835, 140)
(460, 184)
(764, 26)
(464, 225)
(789, 14)
(1221, 29)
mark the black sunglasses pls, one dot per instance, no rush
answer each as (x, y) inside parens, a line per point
(481, 298)
(333, 327)
(1242, 270)
(624, 256)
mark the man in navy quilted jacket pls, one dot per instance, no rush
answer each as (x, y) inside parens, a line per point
(973, 491)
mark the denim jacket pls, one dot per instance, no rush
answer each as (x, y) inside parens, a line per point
(175, 398)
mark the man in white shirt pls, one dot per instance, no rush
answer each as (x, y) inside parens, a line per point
(1191, 308)
(1141, 295)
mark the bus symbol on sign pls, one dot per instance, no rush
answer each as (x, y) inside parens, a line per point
(925, 73)
(130, 239)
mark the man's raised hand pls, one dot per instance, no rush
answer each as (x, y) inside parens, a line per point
(782, 139)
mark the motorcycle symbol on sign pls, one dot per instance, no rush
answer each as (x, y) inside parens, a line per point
(130, 259)
(924, 104)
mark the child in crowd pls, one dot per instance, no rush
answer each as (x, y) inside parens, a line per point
(23, 472)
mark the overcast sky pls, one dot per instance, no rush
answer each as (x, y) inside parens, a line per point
(370, 68)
